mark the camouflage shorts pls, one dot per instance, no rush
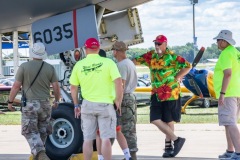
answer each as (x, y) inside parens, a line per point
(35, 123)
(128, 120)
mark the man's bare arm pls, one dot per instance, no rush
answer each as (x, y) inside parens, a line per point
(119, 92)
(226, 79)
(56, 90)
(74, 94)
(14, 90)
(182, 73)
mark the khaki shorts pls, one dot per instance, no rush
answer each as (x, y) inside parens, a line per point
(98, 115)
(229, 112)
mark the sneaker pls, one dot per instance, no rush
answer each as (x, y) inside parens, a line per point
(225, 155)
(168, 153)
(178, 145)
(234, 156)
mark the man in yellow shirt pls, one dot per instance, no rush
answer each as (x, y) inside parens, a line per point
(226, 85)
(101, 87)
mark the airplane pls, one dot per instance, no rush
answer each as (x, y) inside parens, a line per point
(63, 26)
(62, 23)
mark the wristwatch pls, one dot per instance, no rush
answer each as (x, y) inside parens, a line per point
(9, 102)
(222, 93)
(77, 105)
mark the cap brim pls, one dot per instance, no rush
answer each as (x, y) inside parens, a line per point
(217, 37)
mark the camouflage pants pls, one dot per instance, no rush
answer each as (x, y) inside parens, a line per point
(128, 120)
(35, 124)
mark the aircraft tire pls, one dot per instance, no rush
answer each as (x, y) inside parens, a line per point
(67, 137)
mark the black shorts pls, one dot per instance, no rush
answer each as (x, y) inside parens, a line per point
(167, 111)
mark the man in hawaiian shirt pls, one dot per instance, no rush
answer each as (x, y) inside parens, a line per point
(166, 69)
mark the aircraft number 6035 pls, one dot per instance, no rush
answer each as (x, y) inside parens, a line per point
(47, 36)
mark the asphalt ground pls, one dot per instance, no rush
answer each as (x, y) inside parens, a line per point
(203, 142)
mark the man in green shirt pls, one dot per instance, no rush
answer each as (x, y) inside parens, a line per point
(37, 112)
(101, 87)
(166, 69)
(226, 80)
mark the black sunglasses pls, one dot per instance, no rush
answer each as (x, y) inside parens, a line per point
(219, 40)
(158, 44)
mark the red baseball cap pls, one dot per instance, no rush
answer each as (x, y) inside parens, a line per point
(92, 43)
(160, 39)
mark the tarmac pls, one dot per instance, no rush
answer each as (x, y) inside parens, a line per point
(203, 142)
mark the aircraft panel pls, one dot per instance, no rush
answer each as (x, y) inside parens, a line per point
(20, 14)
(66, 31)
(118, 5)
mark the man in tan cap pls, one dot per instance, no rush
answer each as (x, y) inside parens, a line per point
(128, 73)
(226, 80)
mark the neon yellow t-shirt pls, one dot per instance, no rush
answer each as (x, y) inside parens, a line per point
(229, 58)
(96, 77)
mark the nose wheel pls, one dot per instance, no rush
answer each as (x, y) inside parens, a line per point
(63, 134)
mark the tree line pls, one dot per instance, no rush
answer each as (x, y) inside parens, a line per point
(187, 51)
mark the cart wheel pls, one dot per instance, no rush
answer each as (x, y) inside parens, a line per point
(206, 103)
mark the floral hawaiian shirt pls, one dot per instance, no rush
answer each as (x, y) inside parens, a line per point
(163, 70)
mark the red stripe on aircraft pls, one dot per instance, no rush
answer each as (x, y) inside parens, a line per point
(75, 28)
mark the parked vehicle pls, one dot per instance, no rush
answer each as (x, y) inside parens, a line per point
(143, 97)
(6, 82)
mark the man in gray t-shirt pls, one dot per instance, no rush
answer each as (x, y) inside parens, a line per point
(128, 73)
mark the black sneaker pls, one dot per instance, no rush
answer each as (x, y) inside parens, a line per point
(168, 153)
(178, 145)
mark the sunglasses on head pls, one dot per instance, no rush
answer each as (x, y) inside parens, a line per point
(158, 44)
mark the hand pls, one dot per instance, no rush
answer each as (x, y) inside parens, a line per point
(178, 79)
(221, 100)
(118, 107)
(11, 108)
(55, 105)
(77, 112)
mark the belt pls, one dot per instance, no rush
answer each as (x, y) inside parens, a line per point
(128, 94)
(47, 99)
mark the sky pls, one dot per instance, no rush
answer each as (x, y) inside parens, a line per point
(174, 19)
